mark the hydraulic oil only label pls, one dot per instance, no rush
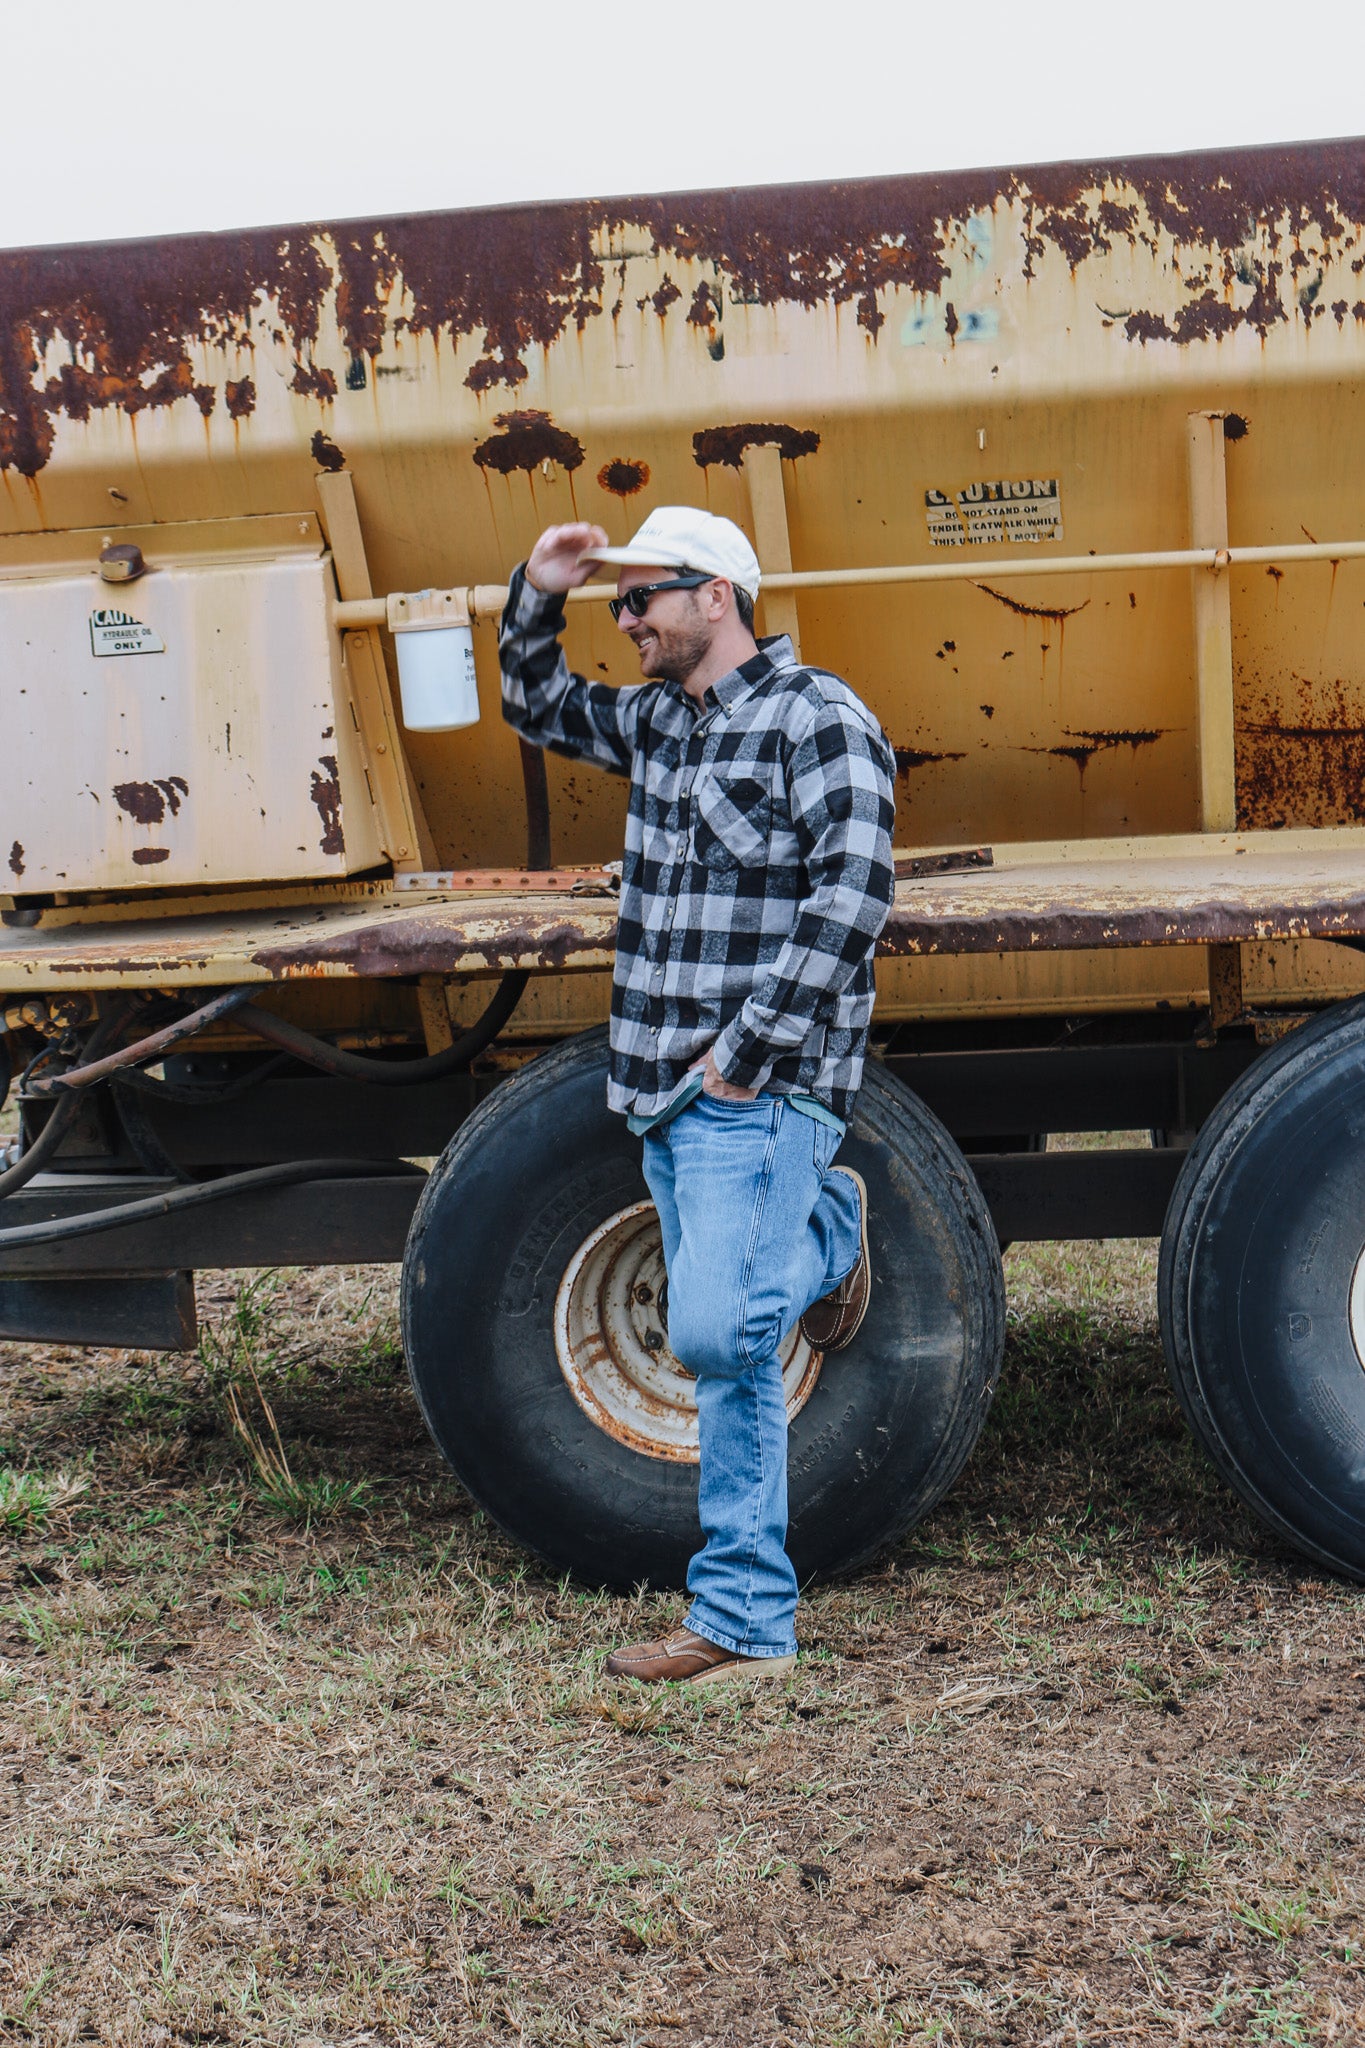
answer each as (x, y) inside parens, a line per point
(1023, 508)
(114, 632)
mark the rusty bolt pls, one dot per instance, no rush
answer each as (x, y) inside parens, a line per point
(643, 1294)
(653, 1340)
(121, 562)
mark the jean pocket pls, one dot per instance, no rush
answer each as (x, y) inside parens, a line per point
(827, 1143)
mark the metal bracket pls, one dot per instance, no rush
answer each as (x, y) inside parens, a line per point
(768, 506)
(403, 828)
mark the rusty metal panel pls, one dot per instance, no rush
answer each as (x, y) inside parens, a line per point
(1184, 892)
(190, 727)
(994, 361)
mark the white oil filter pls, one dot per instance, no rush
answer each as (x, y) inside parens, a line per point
(436, 678)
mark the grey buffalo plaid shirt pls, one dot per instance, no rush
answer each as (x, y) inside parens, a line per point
(757, 870)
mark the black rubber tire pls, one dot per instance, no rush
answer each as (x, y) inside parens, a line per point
(1265, 1228)
(885, 1433)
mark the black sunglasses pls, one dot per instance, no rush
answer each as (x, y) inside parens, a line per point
(636, 601)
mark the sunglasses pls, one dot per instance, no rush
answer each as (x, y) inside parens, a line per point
(636, 601)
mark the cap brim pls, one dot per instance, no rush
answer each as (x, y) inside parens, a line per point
(645, 558)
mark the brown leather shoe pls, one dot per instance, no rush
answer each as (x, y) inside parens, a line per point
(832, 1323)
(685, 1658)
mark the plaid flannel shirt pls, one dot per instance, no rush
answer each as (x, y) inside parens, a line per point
(757, 872)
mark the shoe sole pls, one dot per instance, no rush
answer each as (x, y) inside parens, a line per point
(865, 1256)
(760, 1669)
(757, 1670)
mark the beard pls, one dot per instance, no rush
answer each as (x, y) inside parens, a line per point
(674, 651)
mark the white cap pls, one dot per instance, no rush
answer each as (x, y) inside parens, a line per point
(680, 537)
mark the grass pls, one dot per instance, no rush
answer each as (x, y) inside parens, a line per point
(295, 1749)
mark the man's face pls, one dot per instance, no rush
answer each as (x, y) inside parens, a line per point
(675, 632)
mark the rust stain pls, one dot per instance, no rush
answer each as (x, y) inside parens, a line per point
(311, 381)
(667, 295)
(623, 478)
(727, 444)
(443, 942)
(1084, 746)
(325, 791)
(132, 317)
(148, 802)
(150, 856)
(240, 397)
(704, 310)
(527, 440)
(1301, 755)
(16, 860)
(1033, 611)
(908, 758)
(325, 452)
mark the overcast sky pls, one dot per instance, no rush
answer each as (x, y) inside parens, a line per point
(132, 117)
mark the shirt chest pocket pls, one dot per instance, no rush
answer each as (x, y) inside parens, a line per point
(733, 822)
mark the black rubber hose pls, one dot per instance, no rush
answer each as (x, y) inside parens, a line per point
(148, 1150)
(354, 1066)
(195, 1093)
(35, 1156)
(148, 1207)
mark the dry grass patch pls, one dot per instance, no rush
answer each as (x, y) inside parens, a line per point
(1080, 1763)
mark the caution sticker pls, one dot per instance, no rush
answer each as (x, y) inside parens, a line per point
(1022, 508)
(114, 632)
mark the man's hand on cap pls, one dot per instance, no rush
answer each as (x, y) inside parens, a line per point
(554, 566)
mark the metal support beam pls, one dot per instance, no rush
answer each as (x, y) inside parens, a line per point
(1212, 625)
(1037, 1196)
(317, 1223)
(768, 506)
(406, 838)
(146, 1312)
(360, 1222)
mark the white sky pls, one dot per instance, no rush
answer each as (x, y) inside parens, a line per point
(133, 117)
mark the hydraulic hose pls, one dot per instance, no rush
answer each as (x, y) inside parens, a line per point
(354, 1066)
(150, 1048)
(196, 1093)
(148, 1207)
(150, 1153)
(35, 1157)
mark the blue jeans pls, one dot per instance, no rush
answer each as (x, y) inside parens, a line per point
(755, 1228)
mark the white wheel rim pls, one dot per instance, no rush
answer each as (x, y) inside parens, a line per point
(1358, 1309)
(613, 1349)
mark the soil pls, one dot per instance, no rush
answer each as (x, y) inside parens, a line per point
(296, 1749)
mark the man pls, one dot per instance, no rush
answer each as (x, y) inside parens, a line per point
(757, 876)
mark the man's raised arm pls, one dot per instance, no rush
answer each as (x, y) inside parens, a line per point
(541, 699)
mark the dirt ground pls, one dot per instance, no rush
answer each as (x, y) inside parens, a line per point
(312, 1756)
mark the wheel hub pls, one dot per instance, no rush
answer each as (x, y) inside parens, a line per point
(611, 1339)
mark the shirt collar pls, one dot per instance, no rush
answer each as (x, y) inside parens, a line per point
(773, 653)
